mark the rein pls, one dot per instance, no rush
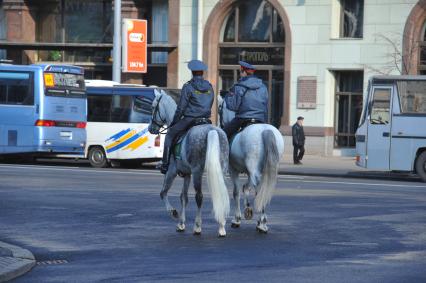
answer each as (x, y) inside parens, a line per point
(157, 112)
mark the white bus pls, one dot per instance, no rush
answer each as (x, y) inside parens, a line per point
(117, 124)
(392, 131)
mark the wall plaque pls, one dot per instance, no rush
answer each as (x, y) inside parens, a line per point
(306, 92)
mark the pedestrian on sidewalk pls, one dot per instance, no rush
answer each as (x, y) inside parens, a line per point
(298, 141)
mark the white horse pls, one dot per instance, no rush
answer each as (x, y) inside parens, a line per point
(203, 148)
(255, 151)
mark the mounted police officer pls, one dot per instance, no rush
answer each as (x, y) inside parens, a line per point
(194, 107)
(248, 98)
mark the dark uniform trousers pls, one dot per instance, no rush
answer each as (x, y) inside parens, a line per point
(172, 133)
(232, 127)
(298, 152)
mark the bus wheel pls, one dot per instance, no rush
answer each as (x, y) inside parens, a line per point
(97, 157)
(421, 166)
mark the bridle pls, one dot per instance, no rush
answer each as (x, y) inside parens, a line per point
(156, 113)
(221, 114)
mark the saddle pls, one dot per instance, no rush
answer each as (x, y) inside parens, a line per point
(245, 124)
(249, 122)
(177, 144)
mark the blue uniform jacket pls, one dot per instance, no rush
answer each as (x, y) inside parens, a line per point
(196, 99)
(248, 98)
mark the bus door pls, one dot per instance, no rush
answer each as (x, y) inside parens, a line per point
(379, 128)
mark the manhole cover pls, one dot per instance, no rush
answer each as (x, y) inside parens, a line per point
(52, 262)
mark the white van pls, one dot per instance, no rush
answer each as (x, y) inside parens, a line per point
(392, 131)
(117, 124)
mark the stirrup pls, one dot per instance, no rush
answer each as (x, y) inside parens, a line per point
(164, 168)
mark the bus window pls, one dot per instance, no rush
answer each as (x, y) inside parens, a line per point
(413, 96)
(120, 110)
(141, 110)
(380, 106)
(99, 108)
(16, 88)
(64, 85)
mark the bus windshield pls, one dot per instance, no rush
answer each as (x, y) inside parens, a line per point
(64, 84)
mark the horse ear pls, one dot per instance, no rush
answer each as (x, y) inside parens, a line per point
(157, 92)
(219, 99)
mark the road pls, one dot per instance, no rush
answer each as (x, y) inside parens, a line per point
(92, 225)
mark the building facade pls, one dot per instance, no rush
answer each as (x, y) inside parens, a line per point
(315, 56)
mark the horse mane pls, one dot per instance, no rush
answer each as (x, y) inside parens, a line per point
(167, 102)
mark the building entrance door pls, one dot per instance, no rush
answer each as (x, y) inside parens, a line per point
(254, 32)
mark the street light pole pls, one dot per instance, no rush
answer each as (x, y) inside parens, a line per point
(116, 54)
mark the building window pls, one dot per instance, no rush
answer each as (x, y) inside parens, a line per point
(347, 18)
(80, 32)
(254, 32)
(422, 63)
(352, 18)
(348, 106)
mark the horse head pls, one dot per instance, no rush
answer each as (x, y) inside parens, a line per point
(163, 108)
(225, 115)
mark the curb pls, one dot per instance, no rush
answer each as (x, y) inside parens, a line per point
(15, 261)
(357, 175)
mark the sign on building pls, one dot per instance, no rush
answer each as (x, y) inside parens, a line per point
(306, 92)
(134, 46)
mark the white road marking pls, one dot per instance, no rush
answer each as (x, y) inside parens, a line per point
(155, 173)
(79, 169)
(363, 184)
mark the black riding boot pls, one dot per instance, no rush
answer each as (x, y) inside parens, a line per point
(165, 161)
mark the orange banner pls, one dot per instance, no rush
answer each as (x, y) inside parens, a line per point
(134, 46)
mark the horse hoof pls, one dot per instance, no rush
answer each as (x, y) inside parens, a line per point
(221, 235)
(174, 213)
(248, 213)
(197, 233)
(261, 230)
(180, 228)
(235, 225)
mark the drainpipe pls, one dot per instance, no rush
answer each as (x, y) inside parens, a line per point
(116, 50)
(200, 30)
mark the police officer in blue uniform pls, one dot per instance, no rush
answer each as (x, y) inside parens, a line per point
(248, 98)
(195, 105)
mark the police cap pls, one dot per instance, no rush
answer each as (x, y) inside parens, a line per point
(246, 65)
(196, 65)
(300, 118)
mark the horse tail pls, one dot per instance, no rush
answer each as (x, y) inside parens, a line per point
(271, 158)
(215, 178)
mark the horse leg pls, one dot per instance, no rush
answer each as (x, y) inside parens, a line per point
(184, 201)
(252, 182)
(197, 179)
(248, 211)
(168, 180)
(261, 223)
(236, 194)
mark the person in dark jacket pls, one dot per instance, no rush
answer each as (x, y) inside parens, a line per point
(195, 102)
(298, 140)
(248, 98)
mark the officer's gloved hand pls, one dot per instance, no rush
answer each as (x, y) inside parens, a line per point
(223, 93)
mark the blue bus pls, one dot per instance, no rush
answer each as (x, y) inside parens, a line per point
(43, 110)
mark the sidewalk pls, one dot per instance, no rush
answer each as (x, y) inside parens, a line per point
(14, 261)
(336, 166)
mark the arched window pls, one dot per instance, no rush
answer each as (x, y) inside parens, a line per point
(254, 32)
(422, 63)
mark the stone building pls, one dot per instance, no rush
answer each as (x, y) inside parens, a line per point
(315, 56)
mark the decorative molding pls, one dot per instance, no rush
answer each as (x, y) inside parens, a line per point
(211, 42)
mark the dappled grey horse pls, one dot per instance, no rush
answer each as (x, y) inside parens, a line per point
(203, 148)
(255, 151)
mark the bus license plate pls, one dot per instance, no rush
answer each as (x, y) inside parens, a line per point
(66, 135)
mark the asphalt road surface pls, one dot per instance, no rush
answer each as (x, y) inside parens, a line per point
(92, 225)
